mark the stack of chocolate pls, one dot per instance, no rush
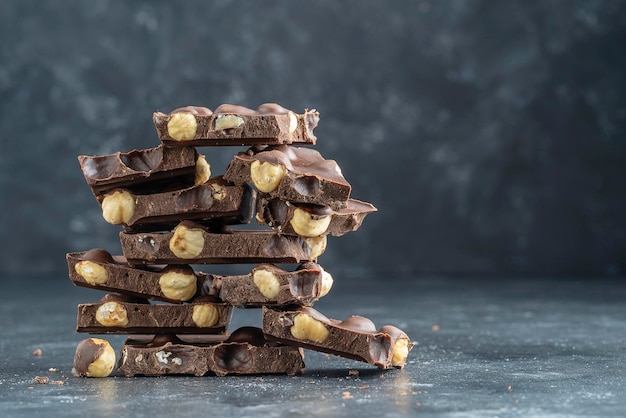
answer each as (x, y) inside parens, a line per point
(175, 215)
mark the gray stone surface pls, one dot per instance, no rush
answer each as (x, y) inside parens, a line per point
(489, 134)
(486, 348)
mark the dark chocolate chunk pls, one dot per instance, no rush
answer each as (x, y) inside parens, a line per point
(190, 243)
(119, 317)
(235, 125)
(216, 201)
(244, 352)
(355, 338)
(294, 174)
(139, 169)
(311, 220)
(97, 269)
(268, 284)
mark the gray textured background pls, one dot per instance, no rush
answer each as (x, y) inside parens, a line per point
(490, 135)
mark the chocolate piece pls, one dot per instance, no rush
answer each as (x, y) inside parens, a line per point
(137, 169)
(355, 338)
(94, 358)
(301, 175)
(235, 125)
(279, 214)
(216, 200)
(121, 317)
(268, 284)
(97, 269)
(190, 243)
(244, 352)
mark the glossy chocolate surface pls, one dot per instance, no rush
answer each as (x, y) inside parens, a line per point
(278, 214)
(139, 169)
(310, 178)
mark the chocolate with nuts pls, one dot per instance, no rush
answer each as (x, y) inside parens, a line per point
(294, 174)
(216, 201)
(235, 125)
(97, 269)
(311, 220)
(356, 337)
(94, 358)
(139, 169)
(244, 352)
(115, 315)
(268, 284)
(191, 243)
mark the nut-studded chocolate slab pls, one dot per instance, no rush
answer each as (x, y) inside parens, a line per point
(139, 169)
(244, 352)
(214, 201)
(268, 284)
(116, 314)
(294, 174)
(356, 337)
(98, 269)
(190, 243)
(235, 125)
(311, 220)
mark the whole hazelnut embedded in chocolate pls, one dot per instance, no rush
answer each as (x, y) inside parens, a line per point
(266, 176)
(118, 207)
(267, 283)
(203, 170)
(186, 242)
(178, 283)
(182, 126)
(308, 328)
(306, 224)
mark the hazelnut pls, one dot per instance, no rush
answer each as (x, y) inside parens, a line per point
(267, 282)
(204, 315)
(186, 242)
(178, 284)
(203, 170)
(266, 176)
(94, 358)
(317, 245)
(218, 191)
(92, 272)
(112, 314)
(182, 126)
(327, 283)
(307, 224)
(307, 328)
(227, 122)
(118, 207)
(293, 122)
(400, 352)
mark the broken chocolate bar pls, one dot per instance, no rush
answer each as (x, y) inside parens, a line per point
(138, 168)
(244, 352)
(216, 201)
(120, 315)
(356, 337)
(235, 125)
(294, 174)
(268, 284)
(190, 243)
(311, 220)
(97, 269)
